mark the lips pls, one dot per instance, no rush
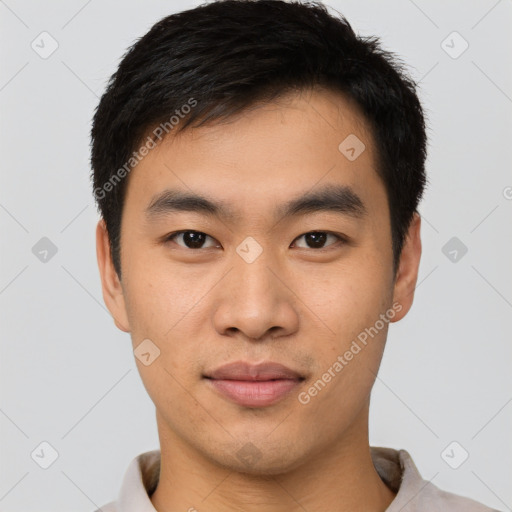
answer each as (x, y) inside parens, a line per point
(253, 385)
(240, 370)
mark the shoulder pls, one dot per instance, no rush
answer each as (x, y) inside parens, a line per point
(413, 493)
(434, 497)
(425, 496)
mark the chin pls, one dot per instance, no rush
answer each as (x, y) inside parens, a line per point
(259, 458)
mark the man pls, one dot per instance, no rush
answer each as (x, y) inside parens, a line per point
(258, 169)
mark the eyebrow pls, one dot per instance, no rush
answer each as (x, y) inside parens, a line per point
(340, 199)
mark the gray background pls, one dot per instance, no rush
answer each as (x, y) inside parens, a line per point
(68, 376)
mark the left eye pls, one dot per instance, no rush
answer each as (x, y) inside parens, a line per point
(316, 239)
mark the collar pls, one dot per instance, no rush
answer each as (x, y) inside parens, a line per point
(395, 467)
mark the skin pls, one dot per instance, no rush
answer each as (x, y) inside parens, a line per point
(295, 304)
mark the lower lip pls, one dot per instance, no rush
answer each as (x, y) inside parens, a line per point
(254, 393)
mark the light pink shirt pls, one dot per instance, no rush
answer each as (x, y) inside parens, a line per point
(395, 467)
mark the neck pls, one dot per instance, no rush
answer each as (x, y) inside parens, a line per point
(342, 478)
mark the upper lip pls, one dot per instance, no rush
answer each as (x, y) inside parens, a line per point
(241, 370)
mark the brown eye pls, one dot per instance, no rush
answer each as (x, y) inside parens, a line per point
(317, 239)
(190, 239)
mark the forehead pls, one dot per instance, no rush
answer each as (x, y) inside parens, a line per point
(264, 155)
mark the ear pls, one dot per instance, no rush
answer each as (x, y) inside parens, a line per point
(407, 274)
(110, 283)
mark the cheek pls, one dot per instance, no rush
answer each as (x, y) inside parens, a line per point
(345, 298)
(157, 297)
(349, 304)
(165, 307)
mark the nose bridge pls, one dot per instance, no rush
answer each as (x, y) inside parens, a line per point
(253, 278)
(253, 300)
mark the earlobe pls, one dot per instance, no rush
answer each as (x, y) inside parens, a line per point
(110, 284)
(407, 274)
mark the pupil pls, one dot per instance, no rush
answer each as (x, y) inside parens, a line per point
(193, 239)
(316, 239)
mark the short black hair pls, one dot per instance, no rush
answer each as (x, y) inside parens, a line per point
(221, 58)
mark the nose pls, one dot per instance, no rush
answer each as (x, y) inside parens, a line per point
(257, 301)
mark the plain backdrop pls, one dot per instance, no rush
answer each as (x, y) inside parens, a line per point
(68, 376)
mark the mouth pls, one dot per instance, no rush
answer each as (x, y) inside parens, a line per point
(255, 393)
(253, 385)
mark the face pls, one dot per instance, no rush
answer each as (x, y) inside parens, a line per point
(261, 275)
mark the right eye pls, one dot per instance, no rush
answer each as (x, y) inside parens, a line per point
(190, 239)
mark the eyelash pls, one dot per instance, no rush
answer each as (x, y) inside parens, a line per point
(341, 238)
